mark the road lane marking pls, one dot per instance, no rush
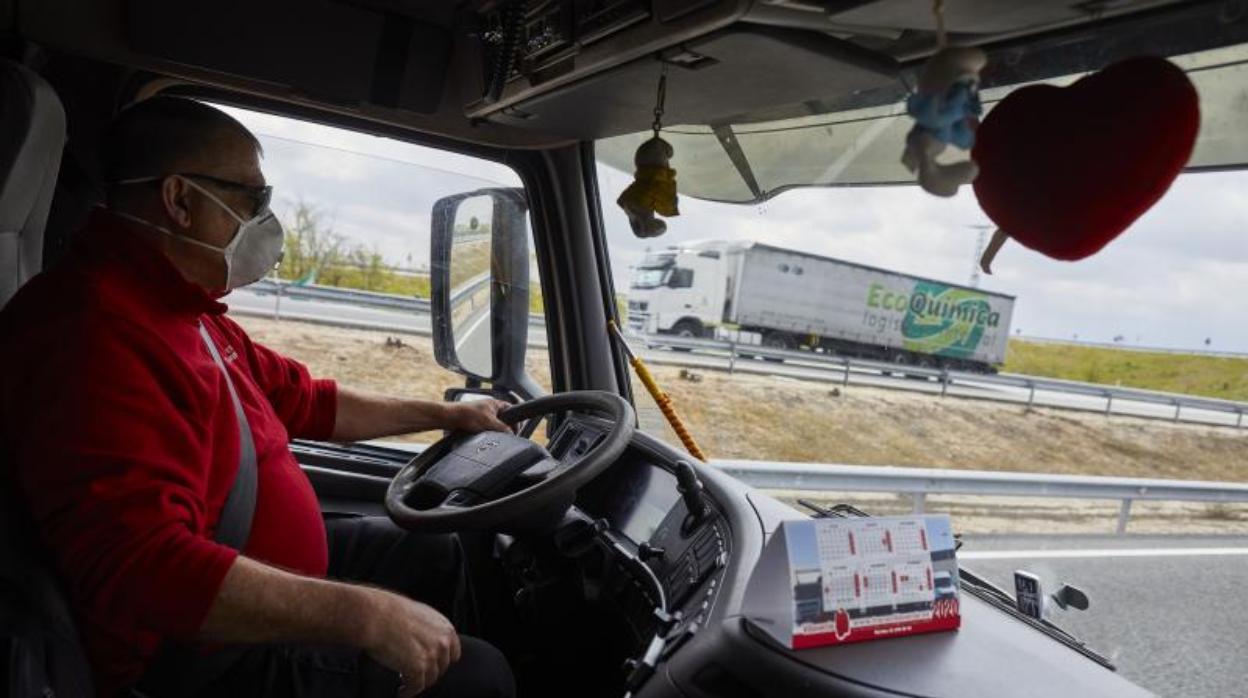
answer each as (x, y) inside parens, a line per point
(1095, 554)
(476, 324)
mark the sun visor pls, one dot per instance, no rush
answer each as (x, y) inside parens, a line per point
(330, 51)
(782, 67)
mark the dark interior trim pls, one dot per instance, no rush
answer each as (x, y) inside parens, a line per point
(606, 280)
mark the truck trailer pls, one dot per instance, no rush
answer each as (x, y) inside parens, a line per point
(787, 299)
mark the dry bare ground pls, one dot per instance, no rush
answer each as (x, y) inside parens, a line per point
(769, 418)
(773, 418)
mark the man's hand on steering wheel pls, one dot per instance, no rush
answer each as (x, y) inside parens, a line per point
(469, 481)
(476, 416)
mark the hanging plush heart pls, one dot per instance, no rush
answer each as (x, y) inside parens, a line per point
(1064, 170)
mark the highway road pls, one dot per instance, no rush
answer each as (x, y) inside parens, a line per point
(391, 320)
(1167, 610)
(473, 343)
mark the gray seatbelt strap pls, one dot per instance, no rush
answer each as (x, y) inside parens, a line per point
(234, 526)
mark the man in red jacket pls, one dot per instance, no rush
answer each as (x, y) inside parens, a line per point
(125, 443)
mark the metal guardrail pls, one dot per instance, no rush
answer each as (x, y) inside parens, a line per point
(469, 288)
(339, 295)
(921, 482)
(350, 296)
(845, 368)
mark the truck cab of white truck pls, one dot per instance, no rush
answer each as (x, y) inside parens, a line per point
(682, 291)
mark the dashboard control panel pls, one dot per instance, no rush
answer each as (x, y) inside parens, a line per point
(639, 508)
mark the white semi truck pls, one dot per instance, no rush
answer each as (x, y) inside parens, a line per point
(786, 299)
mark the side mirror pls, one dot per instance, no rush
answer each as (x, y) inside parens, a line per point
(479, 279)
(1070, 597)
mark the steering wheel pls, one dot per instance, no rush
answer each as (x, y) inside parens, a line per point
(467, 481)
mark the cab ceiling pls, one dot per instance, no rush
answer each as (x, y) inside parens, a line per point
(434, 66)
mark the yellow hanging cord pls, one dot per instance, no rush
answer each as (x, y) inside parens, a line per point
(660, 398)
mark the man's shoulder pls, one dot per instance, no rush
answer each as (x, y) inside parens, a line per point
(83, 320)
(55, 296)
(65, 299)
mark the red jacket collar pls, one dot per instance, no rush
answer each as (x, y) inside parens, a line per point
(108, 237)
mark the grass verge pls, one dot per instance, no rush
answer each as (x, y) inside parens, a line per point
(1191, 374)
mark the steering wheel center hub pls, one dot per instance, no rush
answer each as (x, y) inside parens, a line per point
(477, 469)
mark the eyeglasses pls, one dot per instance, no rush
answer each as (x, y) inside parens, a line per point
(260, 196)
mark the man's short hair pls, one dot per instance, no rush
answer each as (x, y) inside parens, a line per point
(163, 135)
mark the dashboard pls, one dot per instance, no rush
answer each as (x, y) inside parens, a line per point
(678, 580)
(634, 499)
(666, 562)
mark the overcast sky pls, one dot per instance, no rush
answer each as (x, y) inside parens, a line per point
(1175, 278)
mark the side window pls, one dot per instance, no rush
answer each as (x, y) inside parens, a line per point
(681, 278)
(351, 296)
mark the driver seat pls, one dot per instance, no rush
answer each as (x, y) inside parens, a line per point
(32, 137)
(39, 647)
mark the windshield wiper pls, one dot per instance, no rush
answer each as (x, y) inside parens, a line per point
(838, 511)
(990, 593)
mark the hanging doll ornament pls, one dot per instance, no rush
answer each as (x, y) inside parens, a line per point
(1067, 169)
(945, 107)
(653, 190)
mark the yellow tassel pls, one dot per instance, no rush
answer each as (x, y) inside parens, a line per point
(660, 398)
(669, 411)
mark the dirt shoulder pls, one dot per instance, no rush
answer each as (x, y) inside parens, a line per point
(740, 416)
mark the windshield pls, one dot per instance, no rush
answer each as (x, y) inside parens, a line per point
(859, 147)
(650, 277)
(853, 328)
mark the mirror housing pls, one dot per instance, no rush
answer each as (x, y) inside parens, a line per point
(509, 286)
(1071, 597)
(475, 394)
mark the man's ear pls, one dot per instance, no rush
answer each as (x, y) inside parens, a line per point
(175, 199)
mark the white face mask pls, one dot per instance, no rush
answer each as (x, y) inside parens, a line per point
(254, 250)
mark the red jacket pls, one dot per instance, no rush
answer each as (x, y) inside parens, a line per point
(125, 442)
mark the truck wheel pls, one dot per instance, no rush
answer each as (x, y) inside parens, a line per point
(779, 340)
(922, 361)
(897, 358)
(687, 329)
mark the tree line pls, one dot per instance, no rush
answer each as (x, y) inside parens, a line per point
(317, 254)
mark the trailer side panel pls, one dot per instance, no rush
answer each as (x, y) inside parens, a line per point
(807, 295)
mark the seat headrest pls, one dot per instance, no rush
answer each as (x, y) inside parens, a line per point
(32, 136)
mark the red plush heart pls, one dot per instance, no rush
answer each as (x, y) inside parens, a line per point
(1064, 170)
